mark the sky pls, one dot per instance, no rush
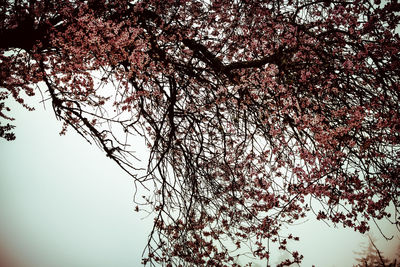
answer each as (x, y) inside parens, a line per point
(63, 203)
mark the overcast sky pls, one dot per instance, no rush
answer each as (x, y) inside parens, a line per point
(64, 204)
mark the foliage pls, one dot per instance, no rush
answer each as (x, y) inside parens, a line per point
(255, 113)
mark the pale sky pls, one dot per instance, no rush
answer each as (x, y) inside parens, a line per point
(64, 204)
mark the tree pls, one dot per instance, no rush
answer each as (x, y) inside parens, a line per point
(256, 113)
(372, 256)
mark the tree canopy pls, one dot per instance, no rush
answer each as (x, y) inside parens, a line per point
(256, 114)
